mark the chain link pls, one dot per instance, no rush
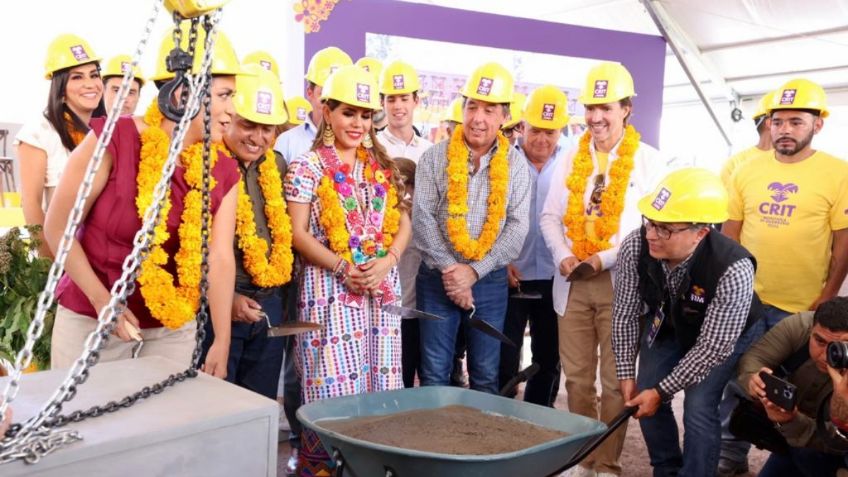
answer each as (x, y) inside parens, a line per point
(39, 432)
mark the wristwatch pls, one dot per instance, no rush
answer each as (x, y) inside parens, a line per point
(664, 396)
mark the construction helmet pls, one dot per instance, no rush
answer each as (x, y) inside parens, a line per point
(690, 195)
(224, 60)
(263, 59)
(352, 85)
(325, 62)
(800, 94)
(399, 78)
(118, 65)
(259, 96)
(607, 83)
(298, 108)
(515, 110)
(454, 111)
(546, 108)
(371, 65)
(66, 51)
(193, 8)
(490, 82)
(764, 104)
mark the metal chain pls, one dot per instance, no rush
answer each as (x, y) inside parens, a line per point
(48, 417)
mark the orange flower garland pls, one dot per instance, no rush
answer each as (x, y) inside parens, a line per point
(612, 199)
(334, 219)
(457, 193)
(264, 271)
(76, 135)
(173, 305)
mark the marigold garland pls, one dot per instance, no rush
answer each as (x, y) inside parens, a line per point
(334, 219)
(76, 135)
(612, 199)
(457, 193)
(173, 305)
(266, 272)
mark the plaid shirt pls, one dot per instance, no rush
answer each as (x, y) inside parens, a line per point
(430, 214)
(724, 321)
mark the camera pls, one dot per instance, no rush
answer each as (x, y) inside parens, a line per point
(837, 354)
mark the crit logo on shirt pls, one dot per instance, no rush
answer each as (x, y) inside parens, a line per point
(600, 89)
(548, 111)
(363, 92)
(788, 96)
(264, 100)
(397, 81)
(79, 53)
(697, 294)
(484, 87)
(778, 213)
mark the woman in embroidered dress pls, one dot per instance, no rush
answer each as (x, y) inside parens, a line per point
(350, 230)
(166, 294)
(44, 144)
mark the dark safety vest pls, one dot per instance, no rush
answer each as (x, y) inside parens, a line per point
(686, 307)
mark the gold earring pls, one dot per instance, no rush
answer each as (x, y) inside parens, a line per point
(328, 137)
(366, 141)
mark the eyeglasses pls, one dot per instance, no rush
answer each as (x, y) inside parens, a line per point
(664, 232)
(598, 190)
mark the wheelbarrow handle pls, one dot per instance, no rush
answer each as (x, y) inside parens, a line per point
(588, 447)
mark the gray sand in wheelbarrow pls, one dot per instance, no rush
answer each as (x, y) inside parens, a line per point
(361, 458)
(447, 430)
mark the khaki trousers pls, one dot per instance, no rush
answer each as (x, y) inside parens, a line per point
(585, 327)
(71, 330)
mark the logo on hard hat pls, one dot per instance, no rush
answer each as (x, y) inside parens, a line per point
(125, 66)
(301, 114)
(265, 64)
(788, 96)
(662, 198)
(398, 82)
(333, 69)
(264, 100)
(79, 52)
(600, 89)
(484, 87)
(363, 92)
(548, 111)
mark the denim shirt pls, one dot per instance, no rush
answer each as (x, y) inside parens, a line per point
(535, 261)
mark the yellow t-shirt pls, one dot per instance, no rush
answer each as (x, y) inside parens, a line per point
(788, 214)
(736, 160)
(594, 211)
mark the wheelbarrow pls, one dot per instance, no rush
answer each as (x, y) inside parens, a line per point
(359, 458)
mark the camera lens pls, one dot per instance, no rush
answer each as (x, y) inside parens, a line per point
(837, 354)
(787, 393)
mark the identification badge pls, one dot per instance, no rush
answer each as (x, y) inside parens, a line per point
(656, 324)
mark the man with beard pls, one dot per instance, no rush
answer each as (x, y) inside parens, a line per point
(796, 198)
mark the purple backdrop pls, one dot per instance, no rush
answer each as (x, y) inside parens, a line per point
(643, 55)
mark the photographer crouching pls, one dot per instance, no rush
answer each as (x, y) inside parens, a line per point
(795, 352)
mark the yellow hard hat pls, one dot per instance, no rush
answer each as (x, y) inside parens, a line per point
(263, 59)
(490, 82)
(690, 195)
(352, 85)
(371, 65)
(298, 108)
(224, 60)
(399, 78)
(325, 62)
(515, 110)
(118, 65)
(607, 83)
(259, 96)
(454, 111)
(763, 105)
(66, 51)
(546, 108)
(800, 94)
